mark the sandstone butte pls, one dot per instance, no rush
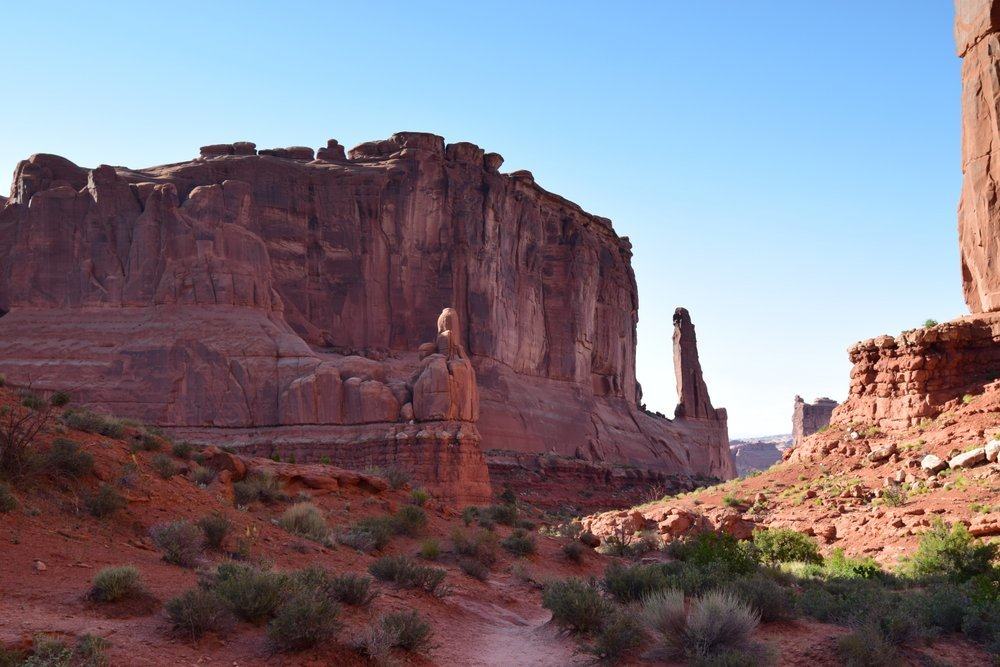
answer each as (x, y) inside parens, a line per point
(401, 303)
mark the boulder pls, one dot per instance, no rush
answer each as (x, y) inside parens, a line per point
(883, 453)
(968, 459)
(933, 464)
(992, 451)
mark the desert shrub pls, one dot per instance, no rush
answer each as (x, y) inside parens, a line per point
(573, 551)
(738, 557)
(409, 631)
(419, 497)
(632, 583)
(663, 612)
(866, 647)
(116, 583)
(59, 399)
(695, 579)
(893, 496)
(519, 543)
(943, 606)
(430, 549)
(588, 539)
(403, 571)
(182, 450)
(252, 594)
(89, 651)
(480, 545)
(576, 605)
(409, 520)
(474, 568)
(396, 477)
(843, 601)
(505, 515)
(953, 553)
(163, 466)
(203, 477)
(215, 527)
(303, 620)
(717, 624)
(837, 564)
(18, 429)
(305, 520)
(784, 545)
(981, 622)
(91, 422)
(128, 476)
(469, 515)
(257, 486)
(771, 600)
(105, 502)
(32, 401)
(349, 588)
(928, 323)
(198, 611)
(66, 459)
(8, 503)
(180, 541)
(352, 589)
(621, 635)
(146, 442)
(368, 534)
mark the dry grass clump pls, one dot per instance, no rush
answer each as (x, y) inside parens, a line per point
(116, 583)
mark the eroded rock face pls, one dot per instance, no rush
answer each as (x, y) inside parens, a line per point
(266, 289)
(807, 418)
(897, 382)
(977, 23)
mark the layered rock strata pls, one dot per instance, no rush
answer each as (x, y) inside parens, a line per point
(807, 418)
(254, 295)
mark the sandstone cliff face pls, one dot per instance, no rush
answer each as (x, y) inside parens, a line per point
(269, 290)
(977, 23)
(807, 418)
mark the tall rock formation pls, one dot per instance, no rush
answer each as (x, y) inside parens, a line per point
(977, 23)
(807, 418)
(281, 298)
(899, 381)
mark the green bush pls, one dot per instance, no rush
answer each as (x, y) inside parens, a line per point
(305, 520)
(519, 543)
(576, 605)
(403, 571)
(145, 441)
(8, 503)
(349, 588)
(631, 583)
(198, 611)
(203, 477)
(89, 651)
(164, 466)
(784, 545)
(409, 631)
(215, 527)
(771, 600)
(695, 579)
(480, 545)
(505, 515)
(369, 534)
(91, 422)
(837, 564)
(66, 459)
(182, 450)
(952, 553)
(621, 635)
(866, 647)
(257, 486)
(409, 520)
(304, 620)
(251, 593)
(474, 568)
(32, 401)
(430, 549)
(736, 556)
(573, 551)
(105, 502)
(59, 399)
(419, 497)
(116, 583)
(180, 541)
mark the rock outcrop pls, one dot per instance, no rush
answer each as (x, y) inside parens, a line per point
(807, 418)
(756, 454)
(977, 23)
(283, 296)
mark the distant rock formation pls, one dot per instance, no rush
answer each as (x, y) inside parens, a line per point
(807, 418)
(280, 298)
(758, 454)
(977, 38)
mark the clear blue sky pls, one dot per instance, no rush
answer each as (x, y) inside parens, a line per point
(786, 169)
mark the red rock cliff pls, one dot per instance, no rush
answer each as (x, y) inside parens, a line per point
(240, 291)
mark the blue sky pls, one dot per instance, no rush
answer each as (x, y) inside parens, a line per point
(787, 170)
